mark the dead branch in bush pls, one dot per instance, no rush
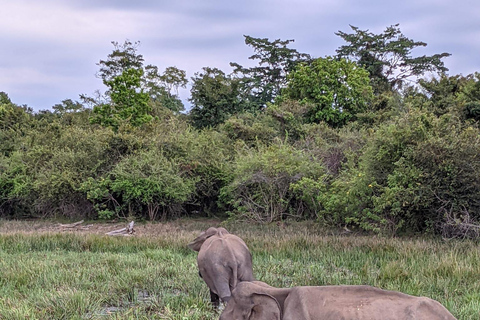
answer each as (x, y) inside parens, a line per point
(458, 224)
(128, 231)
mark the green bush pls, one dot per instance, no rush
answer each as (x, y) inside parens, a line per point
(262, 180)
(208, 160)
(413, 174)
(16, 198)
(145, 184)
(250, 128)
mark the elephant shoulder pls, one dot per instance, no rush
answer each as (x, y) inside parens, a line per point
(426, 307)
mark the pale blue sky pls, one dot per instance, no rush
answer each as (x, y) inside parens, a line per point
(49, 48)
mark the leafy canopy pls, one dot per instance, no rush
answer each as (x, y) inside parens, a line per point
(263, 82)
(128, 102)
(161, 88)
(335, 90)
(215, 97)
(387, 56)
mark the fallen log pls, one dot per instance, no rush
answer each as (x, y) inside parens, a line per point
(71, 225)
(128, 231)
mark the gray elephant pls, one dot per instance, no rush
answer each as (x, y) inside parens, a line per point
(223, 261)
(257, 300)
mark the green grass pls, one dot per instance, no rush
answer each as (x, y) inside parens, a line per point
(47, 274)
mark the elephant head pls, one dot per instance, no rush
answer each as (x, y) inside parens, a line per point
(196, 244)
(254, 300)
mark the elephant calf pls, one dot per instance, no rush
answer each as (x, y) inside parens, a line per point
(257, 300)
(223, 261)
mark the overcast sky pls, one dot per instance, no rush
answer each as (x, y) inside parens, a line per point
(49, 48)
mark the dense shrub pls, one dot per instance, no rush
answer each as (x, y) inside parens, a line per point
(411, 172)
(261, 189)
(146, 182)
(206, 156)
(250, 128)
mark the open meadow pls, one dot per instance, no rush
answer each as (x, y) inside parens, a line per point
(47, 272)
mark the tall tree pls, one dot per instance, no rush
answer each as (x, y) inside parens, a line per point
(334, 90)
(128, 102)
(263, 82)
(68, 106)
(161, 88)
(387, 56)
(123, 57)
(215, 97)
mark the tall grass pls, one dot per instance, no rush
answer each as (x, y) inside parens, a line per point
(80, 275)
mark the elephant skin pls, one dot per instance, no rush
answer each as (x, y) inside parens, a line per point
(223, 261)
(257, 300)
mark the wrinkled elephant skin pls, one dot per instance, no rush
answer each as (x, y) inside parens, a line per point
(223, 261)
(256, 300)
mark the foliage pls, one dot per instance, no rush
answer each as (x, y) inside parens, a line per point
(409, 174)
(387, 56)
(262, 178)
(13, 124)
(325, 148)
(335, 90)
(215, 97)
(15, 187)
(290, 116)
(457, 95)
(162, 89)
(144, 180)
(251, 129)
(123, 57)
(207, 159)
(471, 95)
(129, 104)
(262, 83)
(441, 95)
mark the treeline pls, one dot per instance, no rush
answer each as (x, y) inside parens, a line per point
(370, 138)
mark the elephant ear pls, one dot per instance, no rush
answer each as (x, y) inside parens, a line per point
(222, 231)
(265, 307)
(196, 244)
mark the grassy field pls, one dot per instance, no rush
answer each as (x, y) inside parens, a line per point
(48, 272)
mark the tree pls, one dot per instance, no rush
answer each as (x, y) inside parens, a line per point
(263, 82)
(387, 56)
(215, 97)
(14, 122)
(68, 106)
(471, 96)
(128, 102)
(123, 57)
(4, 98)
(452, 94)
(162, 89)
(335, 90)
